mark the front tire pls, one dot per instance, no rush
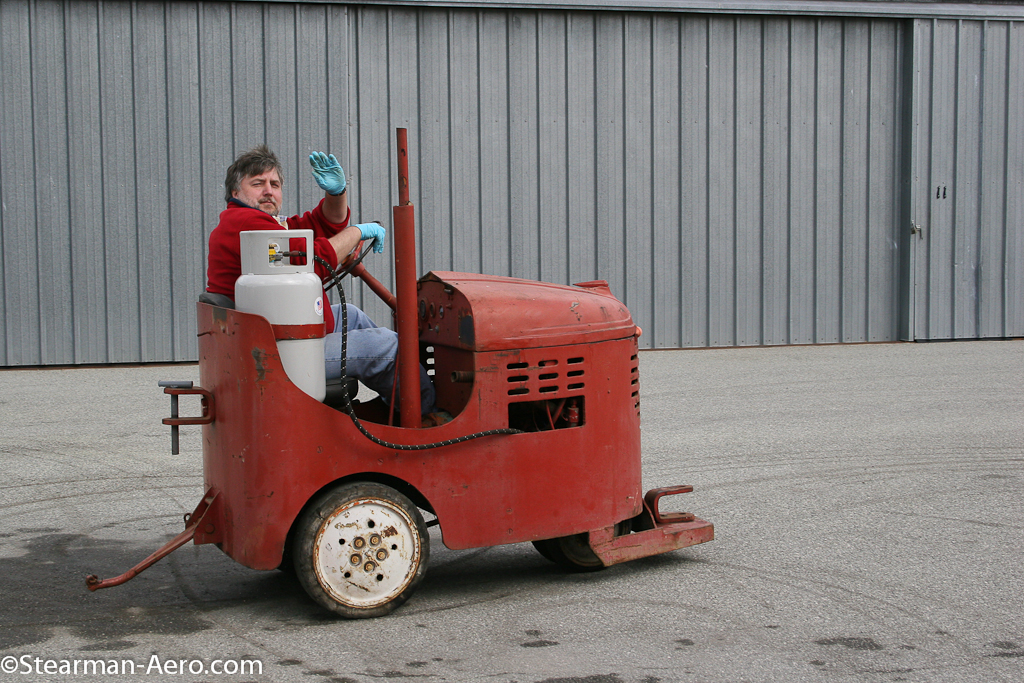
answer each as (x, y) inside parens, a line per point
(361, 549)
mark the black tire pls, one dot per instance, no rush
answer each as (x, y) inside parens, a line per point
(573, 552)
(361, 549)
(570, 552)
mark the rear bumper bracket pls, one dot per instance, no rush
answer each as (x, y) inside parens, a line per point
(654, 532)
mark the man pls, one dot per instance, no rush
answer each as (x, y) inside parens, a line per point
(253, 193)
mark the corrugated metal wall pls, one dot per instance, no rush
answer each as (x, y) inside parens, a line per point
(969, 180)
(734, 178)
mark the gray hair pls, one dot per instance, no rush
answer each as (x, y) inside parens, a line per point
(257, 160)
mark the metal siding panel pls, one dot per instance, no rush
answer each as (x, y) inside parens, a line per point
(553, 146)
(464, 191)
(337, 77)
(695, 194)
(829, 184)
(187, 244)
(496, 210)
(248, 75)
(311, 103)
(433, 153)
(994, 147)
(372, 144)
(921, 203)
(721, 190)
(581, 162)
(404, 101)
(152, 182)
(802, 186)
(638, 214)
(409, 100)
(50, 140)
(611, 199)
(120, 200)
(1013, 245)
(909, 168)
(939, 239)
(883, 183)
(667, 195)
(280, 92)
(855, 200)
(776, 191)
(750, 181)
(17, 190)
(524, 156)
(85, 188)
(216, 115)
(382, 47)
(8, 12)
(966, 186)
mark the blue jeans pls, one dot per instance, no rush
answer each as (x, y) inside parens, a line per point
(371, 357)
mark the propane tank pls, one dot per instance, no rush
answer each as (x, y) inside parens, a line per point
(291, 297)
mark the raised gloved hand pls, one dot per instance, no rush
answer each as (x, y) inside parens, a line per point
(375, 232)
(327, 172)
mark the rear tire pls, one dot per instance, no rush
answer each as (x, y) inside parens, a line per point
(361, 549)
(574, 552)
(570, 552)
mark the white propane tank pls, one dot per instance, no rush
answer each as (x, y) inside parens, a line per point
(286, 294)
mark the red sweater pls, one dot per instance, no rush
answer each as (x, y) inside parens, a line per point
(225, 265)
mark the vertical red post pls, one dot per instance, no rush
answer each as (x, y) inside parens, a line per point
(404, 228)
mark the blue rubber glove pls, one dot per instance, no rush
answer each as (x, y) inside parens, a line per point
(375, 232)
(327, 172)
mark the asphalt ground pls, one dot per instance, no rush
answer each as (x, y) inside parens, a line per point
(867, 501)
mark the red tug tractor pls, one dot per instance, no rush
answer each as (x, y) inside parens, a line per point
(542, 381)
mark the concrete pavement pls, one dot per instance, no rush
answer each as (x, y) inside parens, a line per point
(867, 500)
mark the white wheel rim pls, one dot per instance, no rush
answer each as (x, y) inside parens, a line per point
(366, 552)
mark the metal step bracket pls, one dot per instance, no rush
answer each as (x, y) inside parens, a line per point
(178, 388)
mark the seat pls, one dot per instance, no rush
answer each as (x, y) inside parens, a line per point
(221, 300)
(335, 396)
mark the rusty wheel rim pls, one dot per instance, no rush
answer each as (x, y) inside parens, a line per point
(366, 552)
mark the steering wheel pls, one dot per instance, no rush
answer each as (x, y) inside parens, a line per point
(348, 264)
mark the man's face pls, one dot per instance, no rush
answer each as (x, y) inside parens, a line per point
(262, 191)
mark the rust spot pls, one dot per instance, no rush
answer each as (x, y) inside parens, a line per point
(261, 371)
(389, 532)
